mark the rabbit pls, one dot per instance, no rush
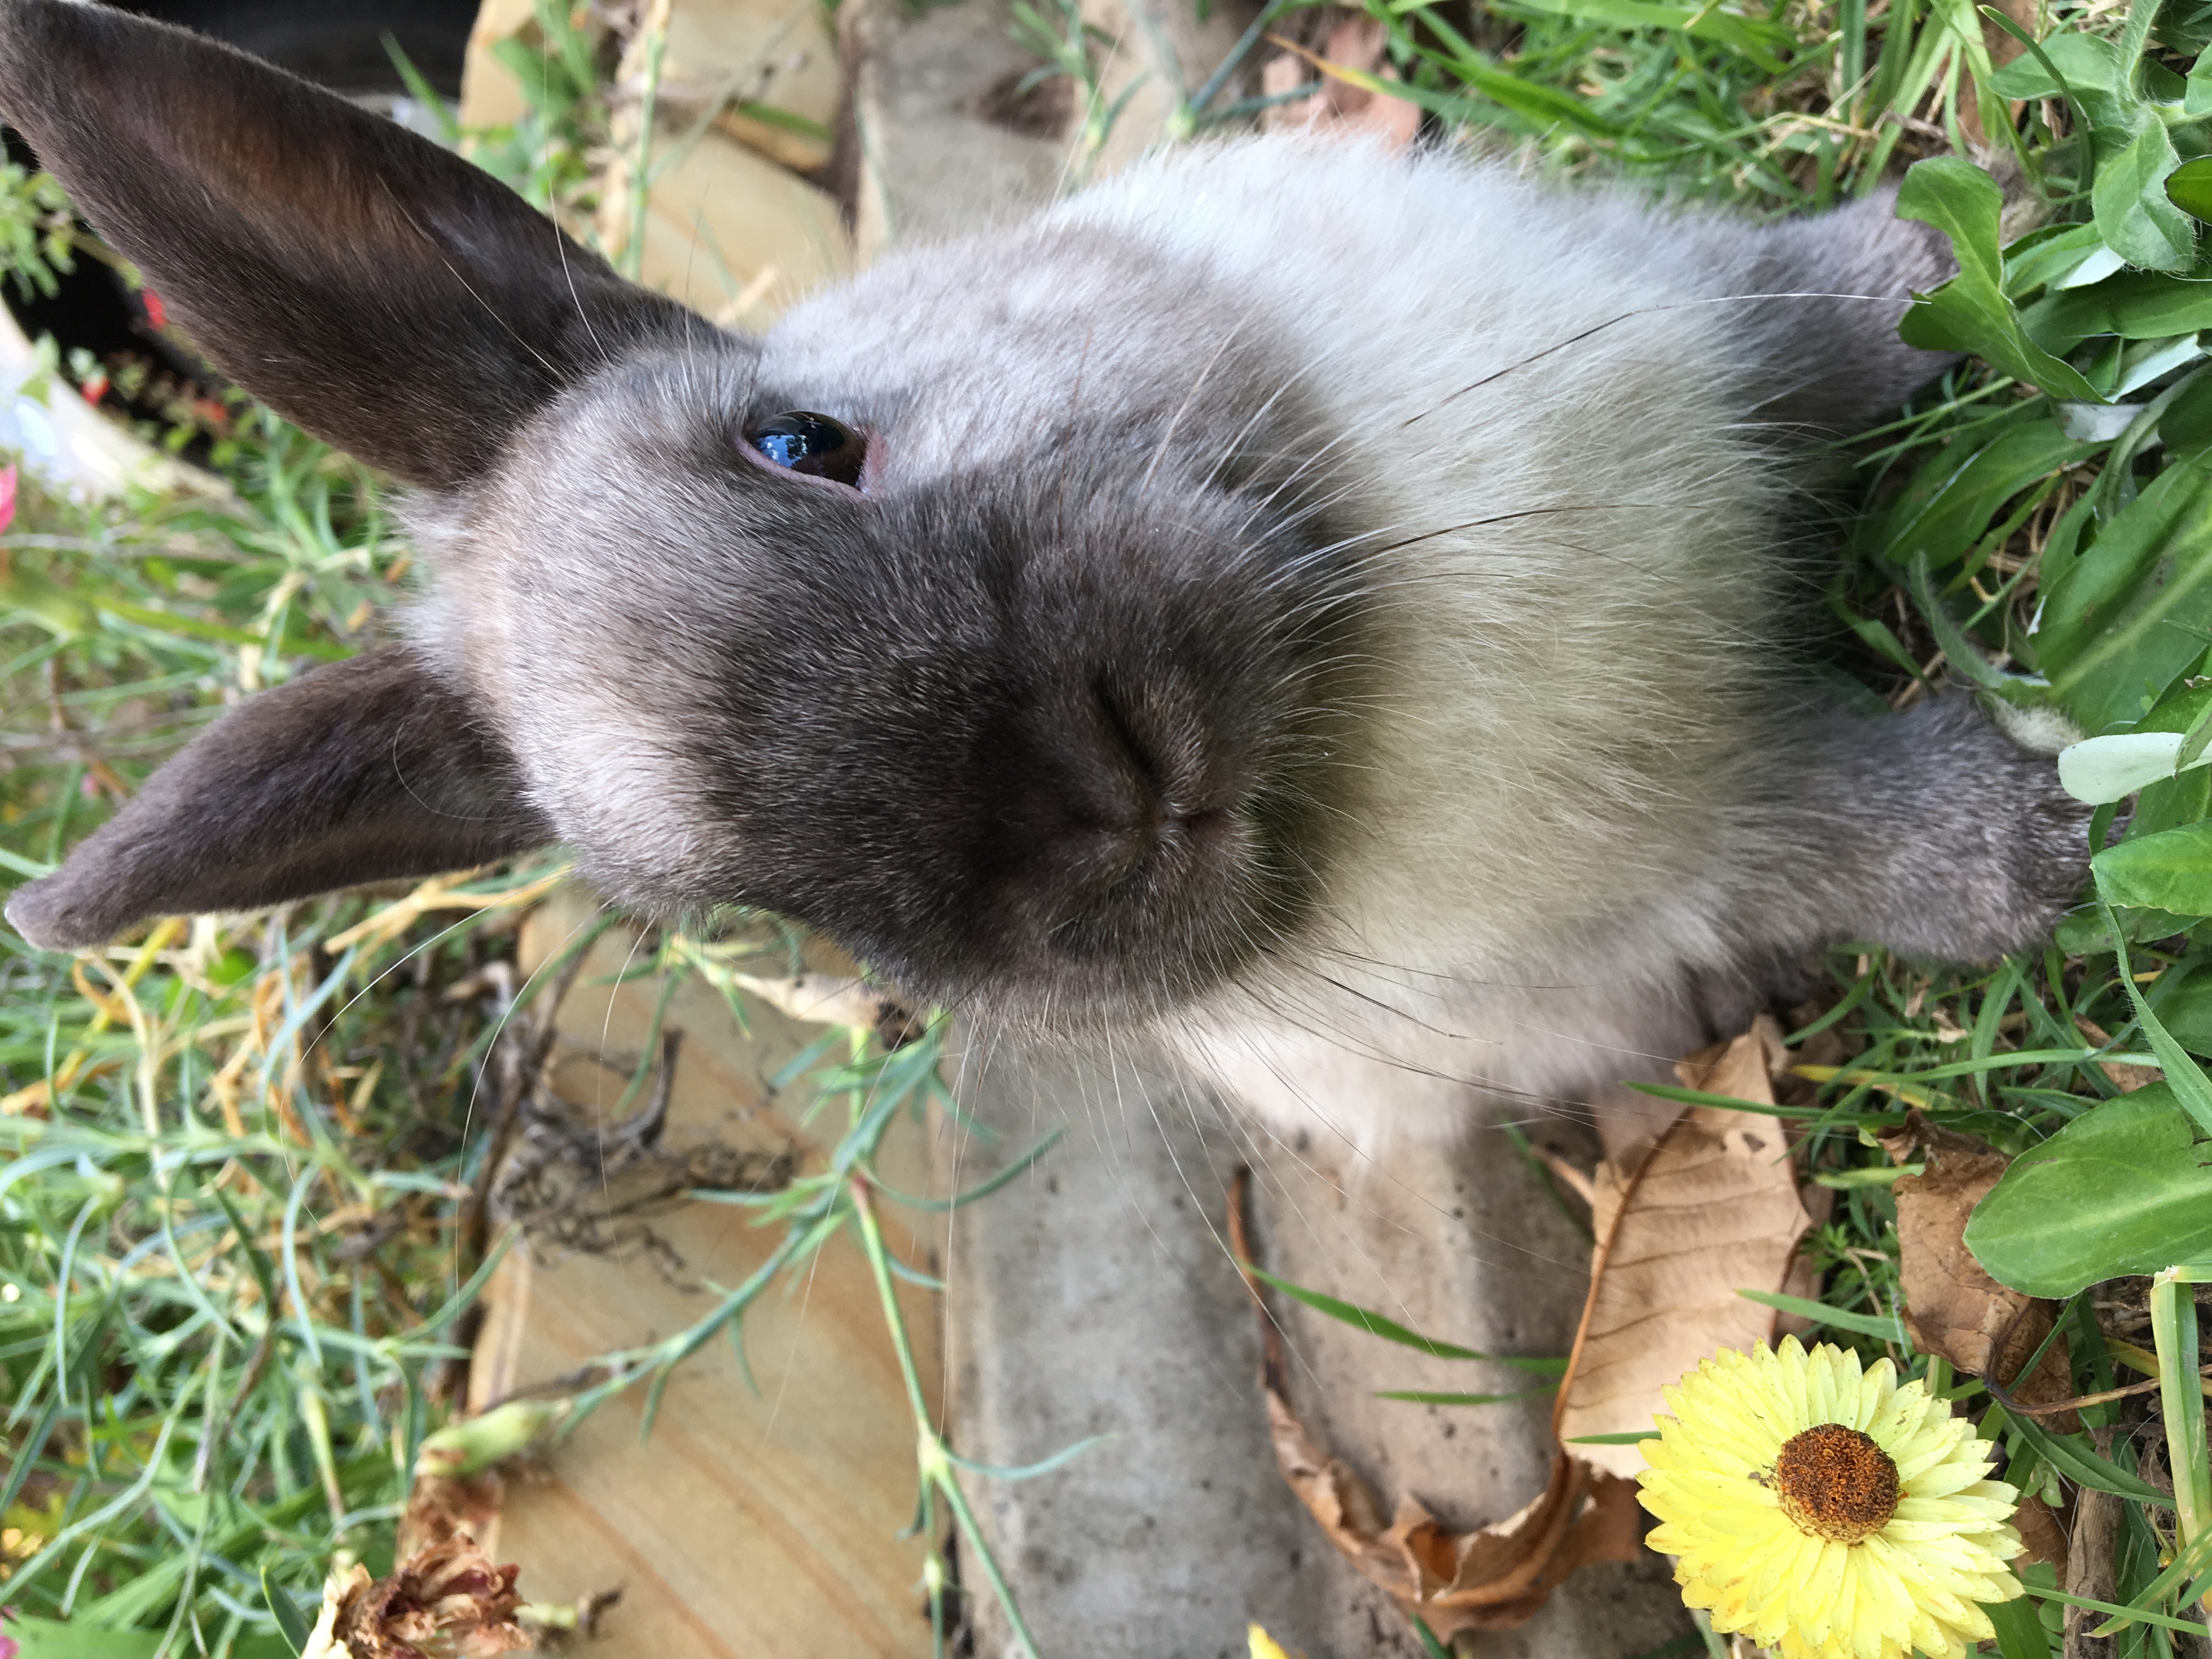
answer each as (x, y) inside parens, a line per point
(1329, 608)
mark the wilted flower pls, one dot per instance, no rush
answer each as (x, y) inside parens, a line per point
(445, 1601)
(1827, 1512)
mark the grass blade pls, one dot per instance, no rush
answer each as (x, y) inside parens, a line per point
(1390, 1330)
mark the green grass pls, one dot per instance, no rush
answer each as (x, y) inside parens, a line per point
(237, 1161)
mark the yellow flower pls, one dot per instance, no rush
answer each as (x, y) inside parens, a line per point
(1825, 1512)
(1264, 1646)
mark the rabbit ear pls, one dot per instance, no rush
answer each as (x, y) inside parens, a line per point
(380, 292)
(365, 770)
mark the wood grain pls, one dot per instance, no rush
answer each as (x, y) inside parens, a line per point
(755, 1525)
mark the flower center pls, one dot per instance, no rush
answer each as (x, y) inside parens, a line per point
(1836, 1483)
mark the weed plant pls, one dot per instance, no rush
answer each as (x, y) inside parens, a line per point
(238, 1157)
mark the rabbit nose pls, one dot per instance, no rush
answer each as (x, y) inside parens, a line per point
(1117, 815)
(1122, 803)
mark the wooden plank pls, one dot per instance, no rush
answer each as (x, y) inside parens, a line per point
(729, 228)
(760, 1524)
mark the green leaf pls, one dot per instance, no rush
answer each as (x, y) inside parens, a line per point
(546, 82)
(1012, 1172)
(2184, 1568)
(2067, 256)
(2135, 305)
(49, 1638)
(2091, 69)
(2084, 933)
(2083, 1466)
(291, 1624)
(2185, 429)
(1422, 1397)
(192, 627)
(1874, 1325)
(1391, 1331)
(2131, 368)
(2019, 1633)
(1764, 42)
(2133, 610)
(54, 608)
(1970, 312)
(1961, 490)
(2187, 1012)
(1541, 108)
(2127, 1614)
(427, 96)
(2125, 1188)
(2133, 215)
(1963, 652)
(2168, 872)
(1885, 1174)
(786, 120)
(2184, 709)
(2192, 1089)
(2197, 94)
(1059, 1459)
(2189, 187)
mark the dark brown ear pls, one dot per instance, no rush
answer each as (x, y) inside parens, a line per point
(381, 293)
(366, 770)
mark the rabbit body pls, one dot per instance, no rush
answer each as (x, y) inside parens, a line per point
(1327, 607)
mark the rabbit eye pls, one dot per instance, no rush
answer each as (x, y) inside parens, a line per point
(811, 444)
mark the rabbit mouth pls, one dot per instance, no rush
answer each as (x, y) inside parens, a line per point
(1056, 869)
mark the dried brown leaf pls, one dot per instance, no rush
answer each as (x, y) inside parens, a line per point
(1355, 43)
(826, 998)
(1713, 1208)
(1493, 1578)
(2042, 1535)
(1917, 1138)
(1951, 1307)
(2125, 1078)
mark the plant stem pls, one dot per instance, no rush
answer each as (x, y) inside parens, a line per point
(641, 168)
(934, 1462)
(2174, 1328)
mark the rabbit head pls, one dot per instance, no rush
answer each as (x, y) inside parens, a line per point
(1021, 659)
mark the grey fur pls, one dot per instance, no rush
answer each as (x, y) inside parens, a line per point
(1298, 594)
